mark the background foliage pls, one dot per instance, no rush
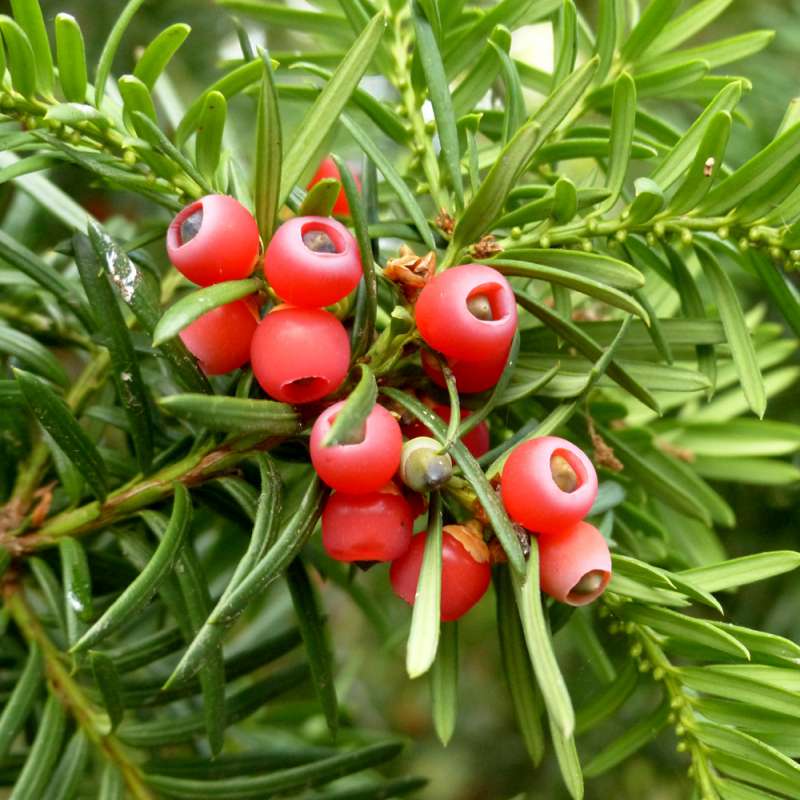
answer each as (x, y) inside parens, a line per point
(486, 756)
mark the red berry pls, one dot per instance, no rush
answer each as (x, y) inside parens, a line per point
(220, 339)
(213, 239)
(468, 313)
(575, 568)
(328, 169)
(477, 440)
(466, 572)
(312, 261)
(471, 376)
(362, 467)
(367, 527)
(548, 485)
(300, 354)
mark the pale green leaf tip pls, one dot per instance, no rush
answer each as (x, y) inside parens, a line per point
(445, 736)
(417, 670)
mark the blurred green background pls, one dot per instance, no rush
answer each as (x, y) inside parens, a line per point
(486, 759)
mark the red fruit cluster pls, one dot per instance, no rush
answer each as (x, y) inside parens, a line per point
(299, 352)
(548, 487)
(468, 314)
(368, 519)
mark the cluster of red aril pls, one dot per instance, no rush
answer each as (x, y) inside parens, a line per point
(300, 353)
(548, 485)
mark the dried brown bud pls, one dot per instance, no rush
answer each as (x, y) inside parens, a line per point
(445, 222)
(486, 247)
(410, 271)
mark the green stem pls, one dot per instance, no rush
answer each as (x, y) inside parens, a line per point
(422, 144)
(581, 231)
(72, 696)
(126, 501)
(102, 138)
(652, 658)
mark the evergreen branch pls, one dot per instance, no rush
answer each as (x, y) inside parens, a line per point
(193, 470)
(74, 699)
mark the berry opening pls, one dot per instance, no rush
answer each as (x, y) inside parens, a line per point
(300, 389)
(190, 226)
(484, 303)
(591, 583)
(566, 471)
(321, 240)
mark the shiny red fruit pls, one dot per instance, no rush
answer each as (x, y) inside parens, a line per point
(300, 354)
(312, 261)
(466, 572)
(220, 339)
(468, 313)
(362, 467)
(213, 239)
(548, 485)
(367, 527)
(471, 376)
(477, 440)
(328, 169)
(575, 568)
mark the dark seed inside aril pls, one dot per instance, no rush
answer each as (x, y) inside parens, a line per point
(319, 242)
(480, 307)
(190, 227)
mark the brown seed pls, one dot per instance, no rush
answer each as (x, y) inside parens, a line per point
(589, 583)
(563, 474)
(319, 242)
(480, 307)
